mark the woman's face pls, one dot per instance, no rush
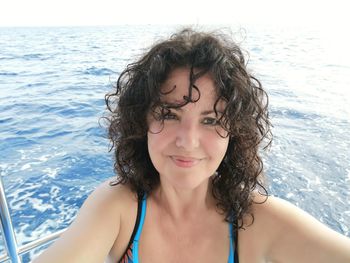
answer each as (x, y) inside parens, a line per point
(187, 148)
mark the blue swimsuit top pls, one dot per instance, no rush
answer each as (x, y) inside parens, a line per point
(131, 254)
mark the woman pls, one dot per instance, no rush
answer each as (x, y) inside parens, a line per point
(186, 123)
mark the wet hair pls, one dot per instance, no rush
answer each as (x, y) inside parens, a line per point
(245, 118)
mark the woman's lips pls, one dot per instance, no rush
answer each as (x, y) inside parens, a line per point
(185, 162)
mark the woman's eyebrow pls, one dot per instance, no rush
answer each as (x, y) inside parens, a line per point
(208, 112)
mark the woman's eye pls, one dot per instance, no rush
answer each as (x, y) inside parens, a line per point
(211, 121)
(169, 116)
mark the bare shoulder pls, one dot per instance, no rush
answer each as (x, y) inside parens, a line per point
(96, 227)
(115, 197)
(286, 233)
(107, 203)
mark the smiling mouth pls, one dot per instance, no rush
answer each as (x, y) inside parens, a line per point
(185, 162)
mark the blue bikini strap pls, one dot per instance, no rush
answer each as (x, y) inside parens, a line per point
(135, 250)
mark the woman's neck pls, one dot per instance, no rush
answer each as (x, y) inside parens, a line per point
(184, 204)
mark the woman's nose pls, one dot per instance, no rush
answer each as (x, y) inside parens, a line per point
(187, 135)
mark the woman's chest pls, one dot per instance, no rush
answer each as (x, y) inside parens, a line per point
(193, 242)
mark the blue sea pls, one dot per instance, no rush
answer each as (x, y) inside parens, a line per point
(53, 146)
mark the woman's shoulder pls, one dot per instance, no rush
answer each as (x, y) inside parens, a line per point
(270, 208)
(96, 227)
(279, 231)
(276, 215)
(111, 193)
(281, 220)
(110, 199)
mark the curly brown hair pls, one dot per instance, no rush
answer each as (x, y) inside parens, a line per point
(245, 118)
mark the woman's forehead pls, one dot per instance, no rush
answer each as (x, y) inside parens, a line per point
(177, 85)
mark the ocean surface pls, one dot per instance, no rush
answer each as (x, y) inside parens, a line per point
(54, 151)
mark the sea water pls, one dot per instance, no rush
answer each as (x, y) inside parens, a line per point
(54, 151)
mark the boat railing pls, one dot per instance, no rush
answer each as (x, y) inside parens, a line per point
(13, 251)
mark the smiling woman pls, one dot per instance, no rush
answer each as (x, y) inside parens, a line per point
(187, 121)
(185, 136)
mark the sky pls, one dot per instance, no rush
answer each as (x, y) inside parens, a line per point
(319, 13)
